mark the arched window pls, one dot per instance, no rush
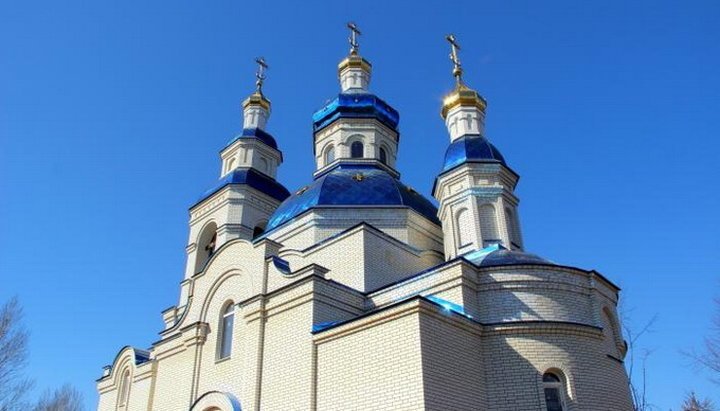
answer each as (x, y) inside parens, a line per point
(124, 389)
(488, 225)
(263, 165)
(383, 155)
(329, 155)
(554, 396)
(357, 150)
(227, 318)
(464, 228)
(206, 246)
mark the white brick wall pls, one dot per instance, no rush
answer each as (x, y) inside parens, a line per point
(410, 355)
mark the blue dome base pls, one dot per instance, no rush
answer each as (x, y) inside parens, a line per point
(472, 148)
(258, 134)
(356, 105)
(252, 178)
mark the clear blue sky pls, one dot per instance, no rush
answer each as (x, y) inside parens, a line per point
(112, 115)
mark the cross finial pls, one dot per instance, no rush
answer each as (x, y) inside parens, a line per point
(354, 32)
(260, 74)
(457, 67)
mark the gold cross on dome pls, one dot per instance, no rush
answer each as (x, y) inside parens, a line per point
(358, 177)
(354, 32)
(260, 74)
(457, 67)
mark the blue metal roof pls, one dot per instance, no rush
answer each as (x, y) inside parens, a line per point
(252, 178)
(471, 148)
(356, 105)
(353, 185)
(495, 255)
(256, 133)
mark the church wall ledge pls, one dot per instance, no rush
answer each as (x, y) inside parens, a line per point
(298, 292)
(556, 267)
(429, 272)
(411, 306)
(536, 327)
(442, 282)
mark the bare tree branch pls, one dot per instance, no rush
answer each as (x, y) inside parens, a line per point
(638, 385)
(13, 357)
(65, 398)
(709, 357)
(692, 403)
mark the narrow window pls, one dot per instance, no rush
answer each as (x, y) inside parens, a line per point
(553, 392)
(488, 225)
(226, 331)
(124, 388)
(383, 156)
(464, 228)
(356, 150)
(329, 155)
(231, 164)
(263, 165)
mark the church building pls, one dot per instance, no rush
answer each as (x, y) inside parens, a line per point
(356, 292)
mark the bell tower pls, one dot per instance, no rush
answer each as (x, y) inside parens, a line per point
(475, 189)
(247, 193)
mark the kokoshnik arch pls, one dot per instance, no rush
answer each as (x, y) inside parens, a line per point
(357, 292)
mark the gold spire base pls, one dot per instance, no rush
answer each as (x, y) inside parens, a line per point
(257, 99)
(354, 61)
(462, 96)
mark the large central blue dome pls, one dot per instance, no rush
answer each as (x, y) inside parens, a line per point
(353, 185)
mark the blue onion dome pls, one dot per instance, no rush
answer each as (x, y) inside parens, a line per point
(471, 148)
(353, 185)
(258, 134)
(252, 178)
(356, 105)
(497, 255)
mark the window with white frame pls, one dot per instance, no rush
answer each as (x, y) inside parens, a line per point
(225, 335)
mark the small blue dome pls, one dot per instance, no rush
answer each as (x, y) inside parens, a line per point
(496, 255)
(256, 133)
(511, 257)
(469, 149)
(356, 105)
(353, 185)
(252, 178)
